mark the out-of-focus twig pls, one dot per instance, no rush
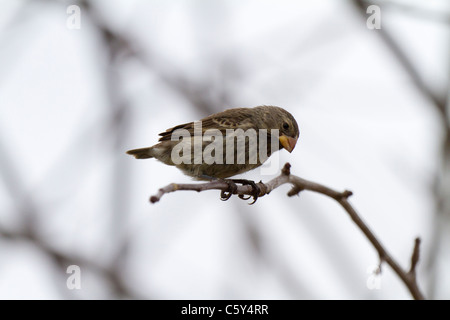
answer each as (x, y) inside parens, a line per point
(64, 259)
(299, 184)
(442, 105)
(438, 101)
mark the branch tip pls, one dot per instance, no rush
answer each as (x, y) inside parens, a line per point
(347, 194)
(286, 169)
(295, 191)
(415, 257)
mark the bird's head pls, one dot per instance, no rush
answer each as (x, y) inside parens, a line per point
(278, 118)
(288, 131)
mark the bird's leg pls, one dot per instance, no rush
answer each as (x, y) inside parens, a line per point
(255, 189)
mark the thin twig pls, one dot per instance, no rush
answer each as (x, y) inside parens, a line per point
(298, 185)
(415, 258)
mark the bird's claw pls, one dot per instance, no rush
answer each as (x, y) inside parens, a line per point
(255, 191)
(243, 197)
(226, 194)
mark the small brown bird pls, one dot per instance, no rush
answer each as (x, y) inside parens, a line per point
(225, 123)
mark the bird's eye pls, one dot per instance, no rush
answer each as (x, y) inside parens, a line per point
(285, 126)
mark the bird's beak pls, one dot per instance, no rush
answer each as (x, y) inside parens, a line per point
(288, 142)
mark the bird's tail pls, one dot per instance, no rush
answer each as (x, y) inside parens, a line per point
(143, 153)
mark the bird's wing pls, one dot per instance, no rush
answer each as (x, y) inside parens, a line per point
(228, 119)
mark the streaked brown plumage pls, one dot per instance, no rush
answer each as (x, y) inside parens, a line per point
(262, 117)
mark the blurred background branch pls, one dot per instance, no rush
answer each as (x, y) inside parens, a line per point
(440, 102)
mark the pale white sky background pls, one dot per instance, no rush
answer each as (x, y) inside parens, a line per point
(364, 127)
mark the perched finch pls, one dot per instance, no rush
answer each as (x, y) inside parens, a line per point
(229, 160)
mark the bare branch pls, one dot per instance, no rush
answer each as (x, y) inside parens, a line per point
(298, 185)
